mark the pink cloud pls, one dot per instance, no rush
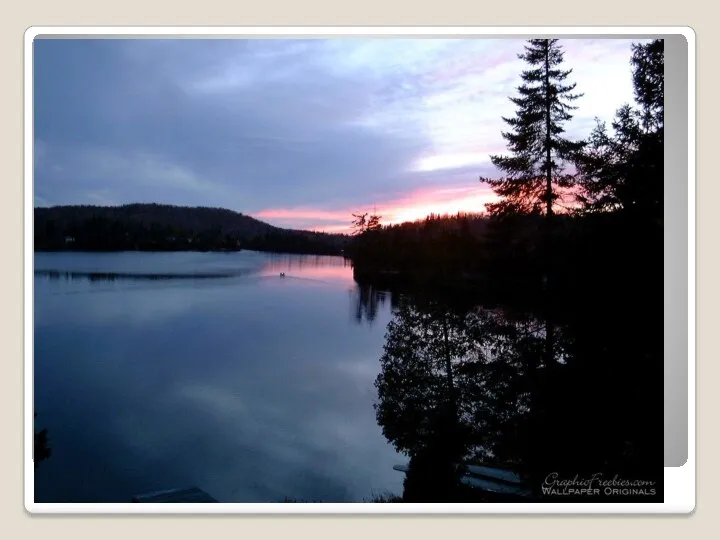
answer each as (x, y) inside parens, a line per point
(344, 228)
(451, 200)
(413, 206)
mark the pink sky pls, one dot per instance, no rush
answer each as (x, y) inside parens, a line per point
(298, 133)
(458, 105)
(416, 205)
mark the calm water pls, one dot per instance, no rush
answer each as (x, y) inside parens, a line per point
(250, 386)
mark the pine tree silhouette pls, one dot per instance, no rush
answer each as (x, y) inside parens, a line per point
(535, 170)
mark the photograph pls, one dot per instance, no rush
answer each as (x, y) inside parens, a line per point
(347, 269)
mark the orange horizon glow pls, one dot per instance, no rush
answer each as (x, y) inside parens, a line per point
(413, 207)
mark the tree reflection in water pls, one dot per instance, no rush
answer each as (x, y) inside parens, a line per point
(367, 301)
(461, 384)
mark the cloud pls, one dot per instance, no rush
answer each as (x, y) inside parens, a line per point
(300, 213)
(257, 125)
(102, 175)
(410, 206)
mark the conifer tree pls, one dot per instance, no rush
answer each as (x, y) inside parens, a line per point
(373, 223)
(360, 223)
(623, 170)
(534, 173)
(648, 63)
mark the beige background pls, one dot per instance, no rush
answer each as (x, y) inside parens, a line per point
(16, 523)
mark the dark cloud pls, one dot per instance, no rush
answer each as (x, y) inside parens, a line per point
(257, 124)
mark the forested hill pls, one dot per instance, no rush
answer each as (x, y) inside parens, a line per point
(158, 227)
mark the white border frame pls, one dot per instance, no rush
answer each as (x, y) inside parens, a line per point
(680, 483)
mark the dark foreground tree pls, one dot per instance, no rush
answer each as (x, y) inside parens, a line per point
(535, 172)
(648, 62)
(623, 170)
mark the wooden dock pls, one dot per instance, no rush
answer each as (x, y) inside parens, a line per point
(182, 495)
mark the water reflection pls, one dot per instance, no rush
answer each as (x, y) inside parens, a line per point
(466, 385)
(254, 389)
(457, 383)
(315, 267)
(367, 301)
(133, 266)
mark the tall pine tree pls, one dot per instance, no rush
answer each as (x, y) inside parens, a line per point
(535, 171)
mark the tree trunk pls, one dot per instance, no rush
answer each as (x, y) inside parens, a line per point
(547, 237)
(549, 216)
(548, 138)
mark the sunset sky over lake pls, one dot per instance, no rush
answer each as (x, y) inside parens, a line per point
(298, 133)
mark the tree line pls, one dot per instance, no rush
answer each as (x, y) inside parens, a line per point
(565, 372)
(568, 213)
(156, 227)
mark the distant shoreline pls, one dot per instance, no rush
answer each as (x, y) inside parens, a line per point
(165, 228)
(41, 250)
(84, 250)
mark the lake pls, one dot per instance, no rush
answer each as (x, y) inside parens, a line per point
(155, 371)
(264, 378)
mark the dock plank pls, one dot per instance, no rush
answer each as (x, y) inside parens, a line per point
(181, 495)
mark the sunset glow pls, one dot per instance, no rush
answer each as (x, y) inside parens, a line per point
(415, 206)
(297, 133)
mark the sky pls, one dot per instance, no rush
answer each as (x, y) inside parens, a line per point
(298, 133)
